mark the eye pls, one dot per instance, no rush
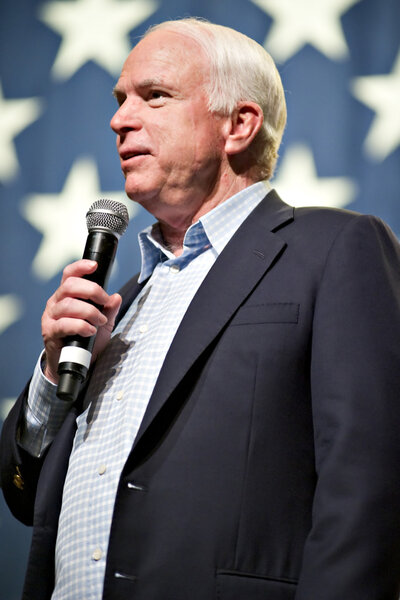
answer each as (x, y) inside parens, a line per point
(120, 98)
(157, 97)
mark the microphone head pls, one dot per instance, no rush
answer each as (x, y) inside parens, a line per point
(108, 215)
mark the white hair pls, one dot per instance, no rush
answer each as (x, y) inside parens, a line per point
(240, 69)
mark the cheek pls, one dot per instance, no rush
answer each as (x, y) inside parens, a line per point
(186, 139)
(209, 144)
(177, 143)
(209, 133)
(205, 136)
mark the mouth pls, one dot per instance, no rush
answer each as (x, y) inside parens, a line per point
(132, 155)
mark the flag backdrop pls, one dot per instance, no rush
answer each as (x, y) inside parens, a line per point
(59, 60)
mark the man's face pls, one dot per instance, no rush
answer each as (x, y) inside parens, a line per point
(171, 147)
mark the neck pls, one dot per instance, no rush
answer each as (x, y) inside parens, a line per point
(173, 230)
(172, 238)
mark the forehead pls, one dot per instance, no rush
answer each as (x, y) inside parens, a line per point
(166, 55)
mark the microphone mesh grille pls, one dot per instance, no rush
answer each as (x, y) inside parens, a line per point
(108, 214)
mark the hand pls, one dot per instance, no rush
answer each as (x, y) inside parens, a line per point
(67, 313)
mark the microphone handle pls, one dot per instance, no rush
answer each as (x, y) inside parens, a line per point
(75, 356)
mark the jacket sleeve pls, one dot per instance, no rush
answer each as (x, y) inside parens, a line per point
(353, 549)
(19, 471)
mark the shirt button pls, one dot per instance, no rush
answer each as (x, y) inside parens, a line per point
(174, 269)
(120, 395)
(97, 554)
(143, 328)
(102, 469)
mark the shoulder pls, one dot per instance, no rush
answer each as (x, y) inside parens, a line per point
(320, 236)
(323, 216)
(333, 226)
(338, 219)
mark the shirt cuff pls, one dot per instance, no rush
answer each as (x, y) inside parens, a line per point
(43, 413)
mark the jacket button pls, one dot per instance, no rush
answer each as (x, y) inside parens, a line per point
(18, 479)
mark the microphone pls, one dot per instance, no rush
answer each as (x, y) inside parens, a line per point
(106, 221)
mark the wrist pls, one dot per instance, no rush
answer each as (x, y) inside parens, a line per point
(47, 371)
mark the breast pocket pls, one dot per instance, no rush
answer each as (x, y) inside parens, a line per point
(237, 586)
(276, 312)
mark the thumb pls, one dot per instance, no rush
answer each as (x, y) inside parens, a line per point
(110, 310)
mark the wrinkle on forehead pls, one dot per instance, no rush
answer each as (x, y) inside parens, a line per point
(181, 55)
(183, 37)
(168, 46)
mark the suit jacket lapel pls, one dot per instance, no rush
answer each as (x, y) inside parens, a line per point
(235, 273)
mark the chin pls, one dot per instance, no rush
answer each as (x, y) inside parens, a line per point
(143, 197)
(138, 187)
(134, 191)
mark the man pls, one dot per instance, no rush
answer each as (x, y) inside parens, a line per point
(239, 435)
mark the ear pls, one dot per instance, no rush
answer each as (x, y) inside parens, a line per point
(245, 123)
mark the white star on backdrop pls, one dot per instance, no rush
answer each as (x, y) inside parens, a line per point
(300, 22)
(61, 218)
(299, 185)
(382, 94)
(10, 311)
(94, 30)
(15, 116)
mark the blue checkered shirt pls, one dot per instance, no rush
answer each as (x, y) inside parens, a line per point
(120, 388)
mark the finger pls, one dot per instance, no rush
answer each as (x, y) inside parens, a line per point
(67, 326)
(79, 268)
(76, 287)
(77, 309)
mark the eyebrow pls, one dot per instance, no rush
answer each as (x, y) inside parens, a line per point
(150, 82)
(144, 84)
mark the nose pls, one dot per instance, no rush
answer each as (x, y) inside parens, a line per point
(125, 119)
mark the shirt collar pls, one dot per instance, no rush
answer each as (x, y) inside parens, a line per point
(214, 229)
(225, 219)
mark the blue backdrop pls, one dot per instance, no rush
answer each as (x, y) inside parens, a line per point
(59, 60)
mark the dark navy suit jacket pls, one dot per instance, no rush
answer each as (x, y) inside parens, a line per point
(267, 465)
